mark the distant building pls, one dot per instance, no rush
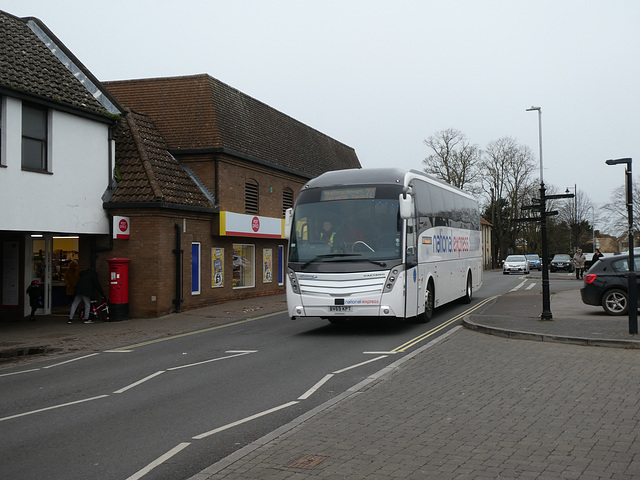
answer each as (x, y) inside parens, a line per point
(487, 244)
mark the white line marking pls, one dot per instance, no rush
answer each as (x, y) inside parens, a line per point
(118, 351)
(379, 353)
(54, 407)
(124, 389)
(18, 373)
(244, 420)
(517, 287)
(175, 450)
(72, 360)
(531, 286)
(313, 389)
(246, 352)
(360, 364)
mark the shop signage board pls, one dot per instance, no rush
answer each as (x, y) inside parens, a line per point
(242, 225)
(121, 227)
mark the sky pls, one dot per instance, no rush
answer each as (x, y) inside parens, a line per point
(383, 76)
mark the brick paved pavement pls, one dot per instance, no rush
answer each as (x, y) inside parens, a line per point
(469, 406)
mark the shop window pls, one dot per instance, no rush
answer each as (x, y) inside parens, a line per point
(287, 200)
(34, 137)
(195, 269)
(65, 249)
(251, 197)
(243, 265)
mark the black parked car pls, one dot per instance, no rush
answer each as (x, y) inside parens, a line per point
(606, 284)
(561, 261)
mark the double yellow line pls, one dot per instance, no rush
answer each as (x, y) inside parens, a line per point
(424, 336)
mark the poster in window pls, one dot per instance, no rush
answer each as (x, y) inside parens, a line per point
(267, 270)
(217, 267)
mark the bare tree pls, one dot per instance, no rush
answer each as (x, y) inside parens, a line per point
(579, 215)
(616, 211)
(507, 177)
(454, 159)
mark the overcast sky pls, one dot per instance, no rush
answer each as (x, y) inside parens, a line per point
(382, 76)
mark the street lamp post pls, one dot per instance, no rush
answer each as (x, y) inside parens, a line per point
(493, 223)
(633, 297)
(574, 217)
(593, 228)
(546, 294)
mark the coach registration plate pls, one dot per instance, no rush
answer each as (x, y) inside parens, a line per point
(340, 308)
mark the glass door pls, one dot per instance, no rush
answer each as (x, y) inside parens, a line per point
(64, 250)
(39, 269)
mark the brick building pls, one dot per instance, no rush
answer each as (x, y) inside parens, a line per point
(205, 175)
(198, 173)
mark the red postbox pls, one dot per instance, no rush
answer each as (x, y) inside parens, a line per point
(118, 289)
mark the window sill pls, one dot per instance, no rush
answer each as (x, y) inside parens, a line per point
(35, 170)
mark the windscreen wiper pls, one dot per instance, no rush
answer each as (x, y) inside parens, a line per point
(334, 255)
(326, 255)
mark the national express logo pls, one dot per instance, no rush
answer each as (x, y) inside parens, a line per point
(443, 243)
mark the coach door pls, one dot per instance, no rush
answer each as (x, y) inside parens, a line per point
(412, 277)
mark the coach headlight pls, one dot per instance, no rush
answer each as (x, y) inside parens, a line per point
(391, 279)
(293, 281)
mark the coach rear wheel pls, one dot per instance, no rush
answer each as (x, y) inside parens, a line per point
(468, 291)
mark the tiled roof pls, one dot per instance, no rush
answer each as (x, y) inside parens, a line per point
(148, 173)
(200, 112)
(28, 66)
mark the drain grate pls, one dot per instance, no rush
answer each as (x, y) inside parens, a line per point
(307, 462)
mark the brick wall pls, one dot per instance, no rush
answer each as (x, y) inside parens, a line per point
(152, 281)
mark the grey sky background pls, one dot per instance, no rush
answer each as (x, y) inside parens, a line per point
(382, 76)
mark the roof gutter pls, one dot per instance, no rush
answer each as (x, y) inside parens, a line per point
(162, 205)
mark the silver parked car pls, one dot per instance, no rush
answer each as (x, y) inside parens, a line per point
(515, 264)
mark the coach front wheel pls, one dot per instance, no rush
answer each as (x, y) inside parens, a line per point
(428, 305)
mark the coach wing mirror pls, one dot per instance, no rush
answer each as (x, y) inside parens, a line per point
(406, 204)
(288, 220)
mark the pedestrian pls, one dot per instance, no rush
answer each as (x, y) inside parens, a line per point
(596, 256)
(71, 277)
(35, 297)
(87, 284)
(579, 261)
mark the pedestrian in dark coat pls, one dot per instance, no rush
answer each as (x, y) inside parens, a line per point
(596, 256)
(36, 297)
(87, 284)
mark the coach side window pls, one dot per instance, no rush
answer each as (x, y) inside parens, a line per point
(437, 207)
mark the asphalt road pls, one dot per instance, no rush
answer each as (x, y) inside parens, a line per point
(169, 408)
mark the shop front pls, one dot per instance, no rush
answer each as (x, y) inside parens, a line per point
(44, 258)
